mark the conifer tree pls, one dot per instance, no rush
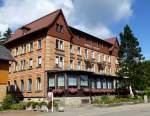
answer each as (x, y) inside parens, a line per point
(129, 56)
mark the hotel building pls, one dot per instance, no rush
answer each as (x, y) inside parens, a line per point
(50, 55)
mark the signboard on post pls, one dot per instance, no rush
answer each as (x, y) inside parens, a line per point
(50, 98)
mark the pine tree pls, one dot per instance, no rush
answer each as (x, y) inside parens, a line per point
(129, 56)
(7, 34)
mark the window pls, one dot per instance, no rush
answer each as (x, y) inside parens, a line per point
(109, 59)
(71, 49)
(84, 81)
(104, 57)
(79, 65)
(59, 28)
(86, 66)
(16, 66)
(92, 54)
(59, 44)
(31, 46)
(15, 85)
(86, 53)
(98, 57)
(109, 85)
(104, 84)
(29, 85)
(61, 80)
(93, 83)
(92, 67)
(22, 86)
(22, 65)
(51, 81)
(72, 80)
(30, 63)
(17, 51)
(79, 50)
(39, 44)
(39, 61)
(59, 61)
(98, 83)
(71, 64)
(23, 49)
(38, 84)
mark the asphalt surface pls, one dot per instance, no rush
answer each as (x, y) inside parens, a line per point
(126, 110)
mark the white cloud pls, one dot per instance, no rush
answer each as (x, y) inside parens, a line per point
(3, 28)
(94, 17)
(18, 12)
(100, 31)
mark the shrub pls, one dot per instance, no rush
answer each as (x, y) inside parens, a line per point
(55, 103)
(42, 103)
(29, 103)
(18, 106)
(7, 101)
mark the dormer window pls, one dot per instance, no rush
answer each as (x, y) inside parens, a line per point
(59, 28)
(25, 29)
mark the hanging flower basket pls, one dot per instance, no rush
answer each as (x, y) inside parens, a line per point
(73, 90)
(58, 91)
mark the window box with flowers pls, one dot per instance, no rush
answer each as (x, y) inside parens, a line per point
(86, 90)
(58, 91)
(73, 90)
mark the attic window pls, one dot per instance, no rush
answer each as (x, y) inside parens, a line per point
(78, 36)
(59, 28)
(25, 29)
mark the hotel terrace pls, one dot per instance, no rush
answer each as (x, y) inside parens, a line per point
(50, 55)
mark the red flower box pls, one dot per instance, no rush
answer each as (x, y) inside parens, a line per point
(86, 90)
(73, 90)
(58, 91)
(94, 91)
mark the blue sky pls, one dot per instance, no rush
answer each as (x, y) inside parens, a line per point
(102, 18)
(139, 23)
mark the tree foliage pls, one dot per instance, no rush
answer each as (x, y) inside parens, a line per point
(129, 55)
(7, 34)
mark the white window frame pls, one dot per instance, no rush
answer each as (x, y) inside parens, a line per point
(22, 85)
(60, 45)
(71, 64)
(39, 61)
(39, 44)
(79, 50)
(92, 54)
(79, 67)
(58, 62)
(38, 84)
(29, 87)
(86, 53)
(71, 49)
(30, 63)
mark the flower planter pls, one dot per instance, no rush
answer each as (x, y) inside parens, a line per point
(58, 91)
(73, 90)
(86, 90)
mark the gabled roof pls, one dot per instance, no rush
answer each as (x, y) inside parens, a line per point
(77, 31)
(112, 40)
(5, 54)
(45, 22)
(36, 25)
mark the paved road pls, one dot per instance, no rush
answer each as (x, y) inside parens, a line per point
(127, 110)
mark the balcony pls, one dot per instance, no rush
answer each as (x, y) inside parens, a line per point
(57, 67)
(101, 64)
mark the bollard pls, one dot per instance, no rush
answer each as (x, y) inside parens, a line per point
(145, 99)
